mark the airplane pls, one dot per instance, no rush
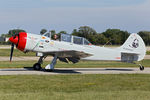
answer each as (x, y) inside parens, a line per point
(73, 49)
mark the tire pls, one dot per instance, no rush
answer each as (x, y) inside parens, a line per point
(37, 66)
(141, 68)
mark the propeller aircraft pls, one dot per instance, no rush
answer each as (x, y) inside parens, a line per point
(73, 48)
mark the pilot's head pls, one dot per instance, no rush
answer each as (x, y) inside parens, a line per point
(55, 37)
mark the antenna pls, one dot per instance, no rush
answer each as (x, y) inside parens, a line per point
(50, 35)
(107, 42)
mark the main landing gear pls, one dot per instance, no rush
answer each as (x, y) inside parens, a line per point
(37, 66)
(49, 67)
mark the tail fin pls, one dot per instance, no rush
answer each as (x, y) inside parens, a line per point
(134, 45)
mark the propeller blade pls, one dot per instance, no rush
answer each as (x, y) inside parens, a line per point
(11, 53)
(18, 40)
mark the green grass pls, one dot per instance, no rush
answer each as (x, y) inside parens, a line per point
(81, 64)
(75, 87)
(6, 52)
(148, 52)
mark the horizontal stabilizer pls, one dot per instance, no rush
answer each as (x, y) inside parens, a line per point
(135, 53)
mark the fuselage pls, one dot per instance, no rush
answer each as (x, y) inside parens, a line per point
(38, 43)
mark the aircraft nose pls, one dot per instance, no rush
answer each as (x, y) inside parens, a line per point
(14, 39)
(19, 40)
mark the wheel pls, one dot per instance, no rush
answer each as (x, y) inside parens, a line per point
(141, 67)
(37, 66)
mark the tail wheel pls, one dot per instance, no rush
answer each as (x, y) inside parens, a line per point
(37, 66)
(141, 67)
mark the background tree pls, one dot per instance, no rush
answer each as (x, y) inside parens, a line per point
(14, 32)
(53, 32)
(100, 39)
(75, 32)
(10, 33)
(116, 36)
(145, 36)
(61, 32)
(43, 31)
(86, 32)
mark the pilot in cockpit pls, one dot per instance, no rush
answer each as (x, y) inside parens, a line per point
(56, 37)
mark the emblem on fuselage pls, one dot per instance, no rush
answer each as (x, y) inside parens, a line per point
(135, 44)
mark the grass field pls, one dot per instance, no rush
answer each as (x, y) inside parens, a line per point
(75, 87)
(81, 64)
(6, 52)
(148, 52)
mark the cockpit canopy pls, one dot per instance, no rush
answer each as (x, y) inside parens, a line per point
(74, 39)
(71, 39)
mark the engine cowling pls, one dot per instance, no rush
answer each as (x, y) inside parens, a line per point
(19, 40)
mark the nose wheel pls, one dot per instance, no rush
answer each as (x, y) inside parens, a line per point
(37, 66)
(141, 67)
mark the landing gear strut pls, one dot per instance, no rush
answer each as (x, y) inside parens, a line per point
(37, 66)
(50, 67)
(141, 67)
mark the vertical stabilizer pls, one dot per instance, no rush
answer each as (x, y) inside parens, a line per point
(134, 45)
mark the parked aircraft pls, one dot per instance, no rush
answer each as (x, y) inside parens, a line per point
(73, 48)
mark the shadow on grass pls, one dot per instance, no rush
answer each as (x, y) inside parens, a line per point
(104, 69)
(63, 71)
(117, 69)
(43, 70)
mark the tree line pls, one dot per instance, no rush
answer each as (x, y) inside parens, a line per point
(110, 36)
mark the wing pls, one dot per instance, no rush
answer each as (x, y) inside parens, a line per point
(69, 55)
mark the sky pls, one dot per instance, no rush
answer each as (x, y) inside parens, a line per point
(33, 15)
